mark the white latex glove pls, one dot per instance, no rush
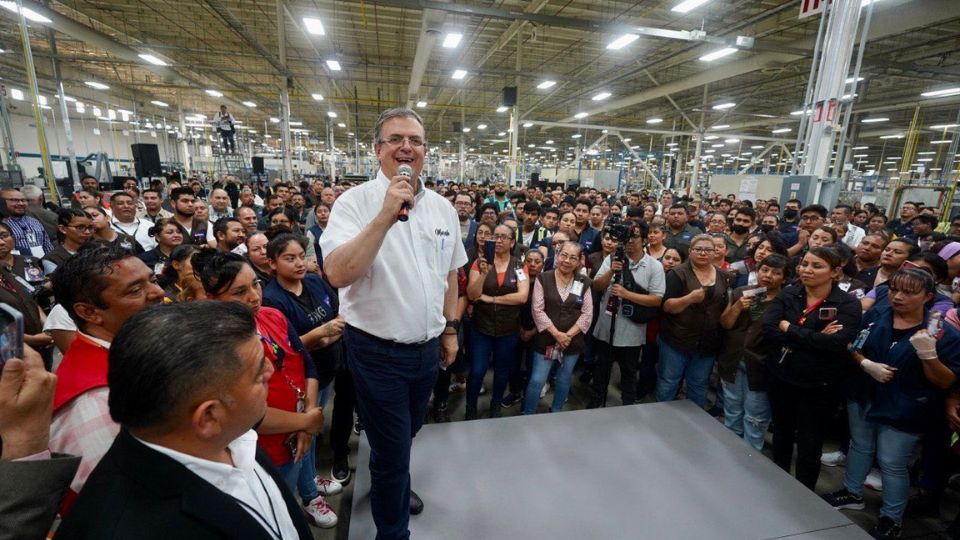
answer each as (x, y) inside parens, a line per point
(880, 372)
(925, 344)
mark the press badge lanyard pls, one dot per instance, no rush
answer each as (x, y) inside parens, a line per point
(276, 522)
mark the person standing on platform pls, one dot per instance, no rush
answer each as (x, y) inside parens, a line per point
(226, 127)
(398, 285)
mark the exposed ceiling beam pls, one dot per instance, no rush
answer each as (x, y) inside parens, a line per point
(889, 21)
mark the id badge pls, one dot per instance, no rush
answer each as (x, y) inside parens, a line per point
(301, 404)
(521, 276)
(158, 268)
(37, 251)
(576, 288)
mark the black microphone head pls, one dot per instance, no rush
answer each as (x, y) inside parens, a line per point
(405, 170)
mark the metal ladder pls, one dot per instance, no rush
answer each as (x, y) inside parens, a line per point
(229, 163)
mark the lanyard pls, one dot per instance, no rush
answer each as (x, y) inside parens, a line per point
(280, 354)
(803, 318)
(276, 532)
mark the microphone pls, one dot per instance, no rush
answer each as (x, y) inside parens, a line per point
(404, 214)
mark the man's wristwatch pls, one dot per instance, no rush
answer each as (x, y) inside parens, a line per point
(455, 324)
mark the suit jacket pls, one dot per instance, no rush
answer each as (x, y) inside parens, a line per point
(31, 494)
(137, 492)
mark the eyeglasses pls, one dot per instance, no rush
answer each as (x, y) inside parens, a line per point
(567, 257)
(397, 140)
(810, 218)
(503, 237)
(82, 228)
(17, 201)
(703, 251)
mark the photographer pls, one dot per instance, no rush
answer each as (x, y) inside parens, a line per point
(630, 299)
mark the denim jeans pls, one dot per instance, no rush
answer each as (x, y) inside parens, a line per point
(539, 372)
(504, 352)
(893, 449)
(306, 485)
(745, 412)
(393, 383)
(676, 366)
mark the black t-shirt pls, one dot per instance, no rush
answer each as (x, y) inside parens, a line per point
(897, 335)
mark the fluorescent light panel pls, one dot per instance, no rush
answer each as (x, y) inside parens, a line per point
(97, 85)
(688, 5)
(655, 121)
(942, 93)
(622, 41)
(580, 115)
(546, 84)
(250, 104)
(314, 26)
(451, 40)
(601, 96)
(421, 104)
(459, 74)
(716, 55)
(875, 120)
(28, 13)
(333, 65)
(159, 103)
(724, 106)
(502, 108)
(153, 59)
(214, 93)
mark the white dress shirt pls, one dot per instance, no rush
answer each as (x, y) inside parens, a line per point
(854, 236)
(245, 481)
(400, 298)
(139, 229)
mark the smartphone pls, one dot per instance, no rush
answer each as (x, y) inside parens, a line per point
(489, 248)
(11, 333)
(827, 313)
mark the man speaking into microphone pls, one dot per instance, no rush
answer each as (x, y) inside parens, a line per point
(398, 296)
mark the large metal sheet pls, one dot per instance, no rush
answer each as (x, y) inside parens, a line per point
(659, 470)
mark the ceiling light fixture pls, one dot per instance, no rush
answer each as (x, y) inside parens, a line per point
(250, 104)
(724, 106)
(546, 84)
(451, 40)
(214, 93)
(481, 127)
(622, 42)
(654, 120)
(874, 120)
(945, 126)
(98, 86)
(575, 136)
(688, 5)
(720, 126)
(527, 124)
(331, 114)
(942, 93)
(421, 104)
(28, 13)
(153, 59)
(718, 54)
(317, 97)
(334, 65)
(459, 74)
(502, 109)
(466, 130)
(601, 96)
(782, 130)
(159, 103)
(314, 26)
(580, 115)
(941, 141)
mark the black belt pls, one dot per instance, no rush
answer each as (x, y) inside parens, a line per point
(372, 337)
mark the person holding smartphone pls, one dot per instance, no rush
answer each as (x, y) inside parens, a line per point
(808, 328)
(498, 288)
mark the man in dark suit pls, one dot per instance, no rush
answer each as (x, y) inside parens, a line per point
(186, 463)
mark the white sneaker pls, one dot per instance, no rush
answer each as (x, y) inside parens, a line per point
(320, 514)
(833, 459)
(327, 487)
(873, 480)
(545, 389)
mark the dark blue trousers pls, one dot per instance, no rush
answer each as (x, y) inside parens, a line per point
(393, 383)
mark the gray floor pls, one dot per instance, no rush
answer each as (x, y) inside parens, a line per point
(830, 478)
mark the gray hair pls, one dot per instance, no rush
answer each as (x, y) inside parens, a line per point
(397, 112)
(31, 192)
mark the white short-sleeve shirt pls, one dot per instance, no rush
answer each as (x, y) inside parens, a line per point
(400, 298)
